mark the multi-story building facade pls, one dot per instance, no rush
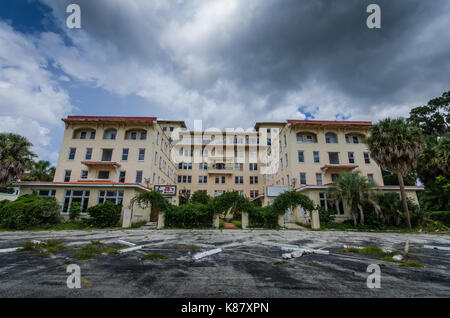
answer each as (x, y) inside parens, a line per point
(114, 158)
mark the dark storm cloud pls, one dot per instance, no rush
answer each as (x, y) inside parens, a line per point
(274, 48)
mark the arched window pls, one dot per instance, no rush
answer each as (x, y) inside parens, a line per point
(110, 134)
(331, 138)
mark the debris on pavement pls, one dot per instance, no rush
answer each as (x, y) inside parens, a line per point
(207, 253)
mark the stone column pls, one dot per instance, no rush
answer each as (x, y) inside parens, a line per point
(315, 220)
(281, 220)
(161, 218)
(216, 221)
(244, 220)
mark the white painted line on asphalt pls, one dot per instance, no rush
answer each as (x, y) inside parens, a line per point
(8, 250)
(280, 245)
(126, 243)
(437, 247)
(131, 249)
(207, 253)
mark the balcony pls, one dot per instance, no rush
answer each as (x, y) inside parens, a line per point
(101, 164)
(338, 167)
(220, 169)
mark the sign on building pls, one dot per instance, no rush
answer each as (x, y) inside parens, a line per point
(166, 190)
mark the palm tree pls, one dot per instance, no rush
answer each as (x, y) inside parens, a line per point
(41, 171)
(396, 145)
(15, 157)
(354, 189)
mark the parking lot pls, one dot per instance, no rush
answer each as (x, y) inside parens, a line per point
(246, 267)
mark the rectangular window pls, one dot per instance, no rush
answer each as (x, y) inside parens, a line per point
(239, 180)
(285, 140)
(254, 194)
(139, 176)
(203, 179)
(75, 196)
(141, 156)
(253, 180)
(107, 154)
(157, 139)
(103, 174)
(122, 176)
(347, 139)
(334, 177)
(301, 156)
(286, 159)
(302, 178)
(67, 174)
(115, 197)
(217, 180)
(334, 158)
(83, 135)
(355, 140)
(125, 152)
(370, 177)
(351, 157)
(318, 178)
(92, 135)
(253, 167)
(367, 158)
(88, 155)
(143, 135)
(203, 166)
(72, 152)
(84, 174)
(133, 135)
(323, 200)
(316, 156)
(46, 193)
(156, 157)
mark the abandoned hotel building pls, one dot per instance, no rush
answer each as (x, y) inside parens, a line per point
(114, 158)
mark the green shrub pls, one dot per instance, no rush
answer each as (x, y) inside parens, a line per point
(74, 211)
(200, 197)
(189, 216)
(28, 211)
(326, 216)
(104, 215)
(441, 216)
(237, 223)
(265, 217)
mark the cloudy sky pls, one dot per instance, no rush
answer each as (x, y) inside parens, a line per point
(229, 63)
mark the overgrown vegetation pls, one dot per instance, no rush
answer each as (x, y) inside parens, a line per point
(44, 248)
(74, 211)
(93, 250)
(200, 215)
(29, 211)
(103, 215)
(153, 256)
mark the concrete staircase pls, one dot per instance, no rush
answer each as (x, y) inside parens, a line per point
(151, 225)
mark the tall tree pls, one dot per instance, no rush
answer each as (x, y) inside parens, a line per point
(15, 157)
(41, 171)
(395, 145)
(354, 189)
(433, 118)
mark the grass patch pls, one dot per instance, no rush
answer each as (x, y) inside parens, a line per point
(137, 225)
(200, 239)
(153, 256)
(44, 248)
(281, 262)
(221, 224)
(188, 247)
(402, 263)
(237, 223)
(93, 250)
(368, 250)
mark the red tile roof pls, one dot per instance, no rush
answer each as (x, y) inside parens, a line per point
(328, 122)
(109, 118)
